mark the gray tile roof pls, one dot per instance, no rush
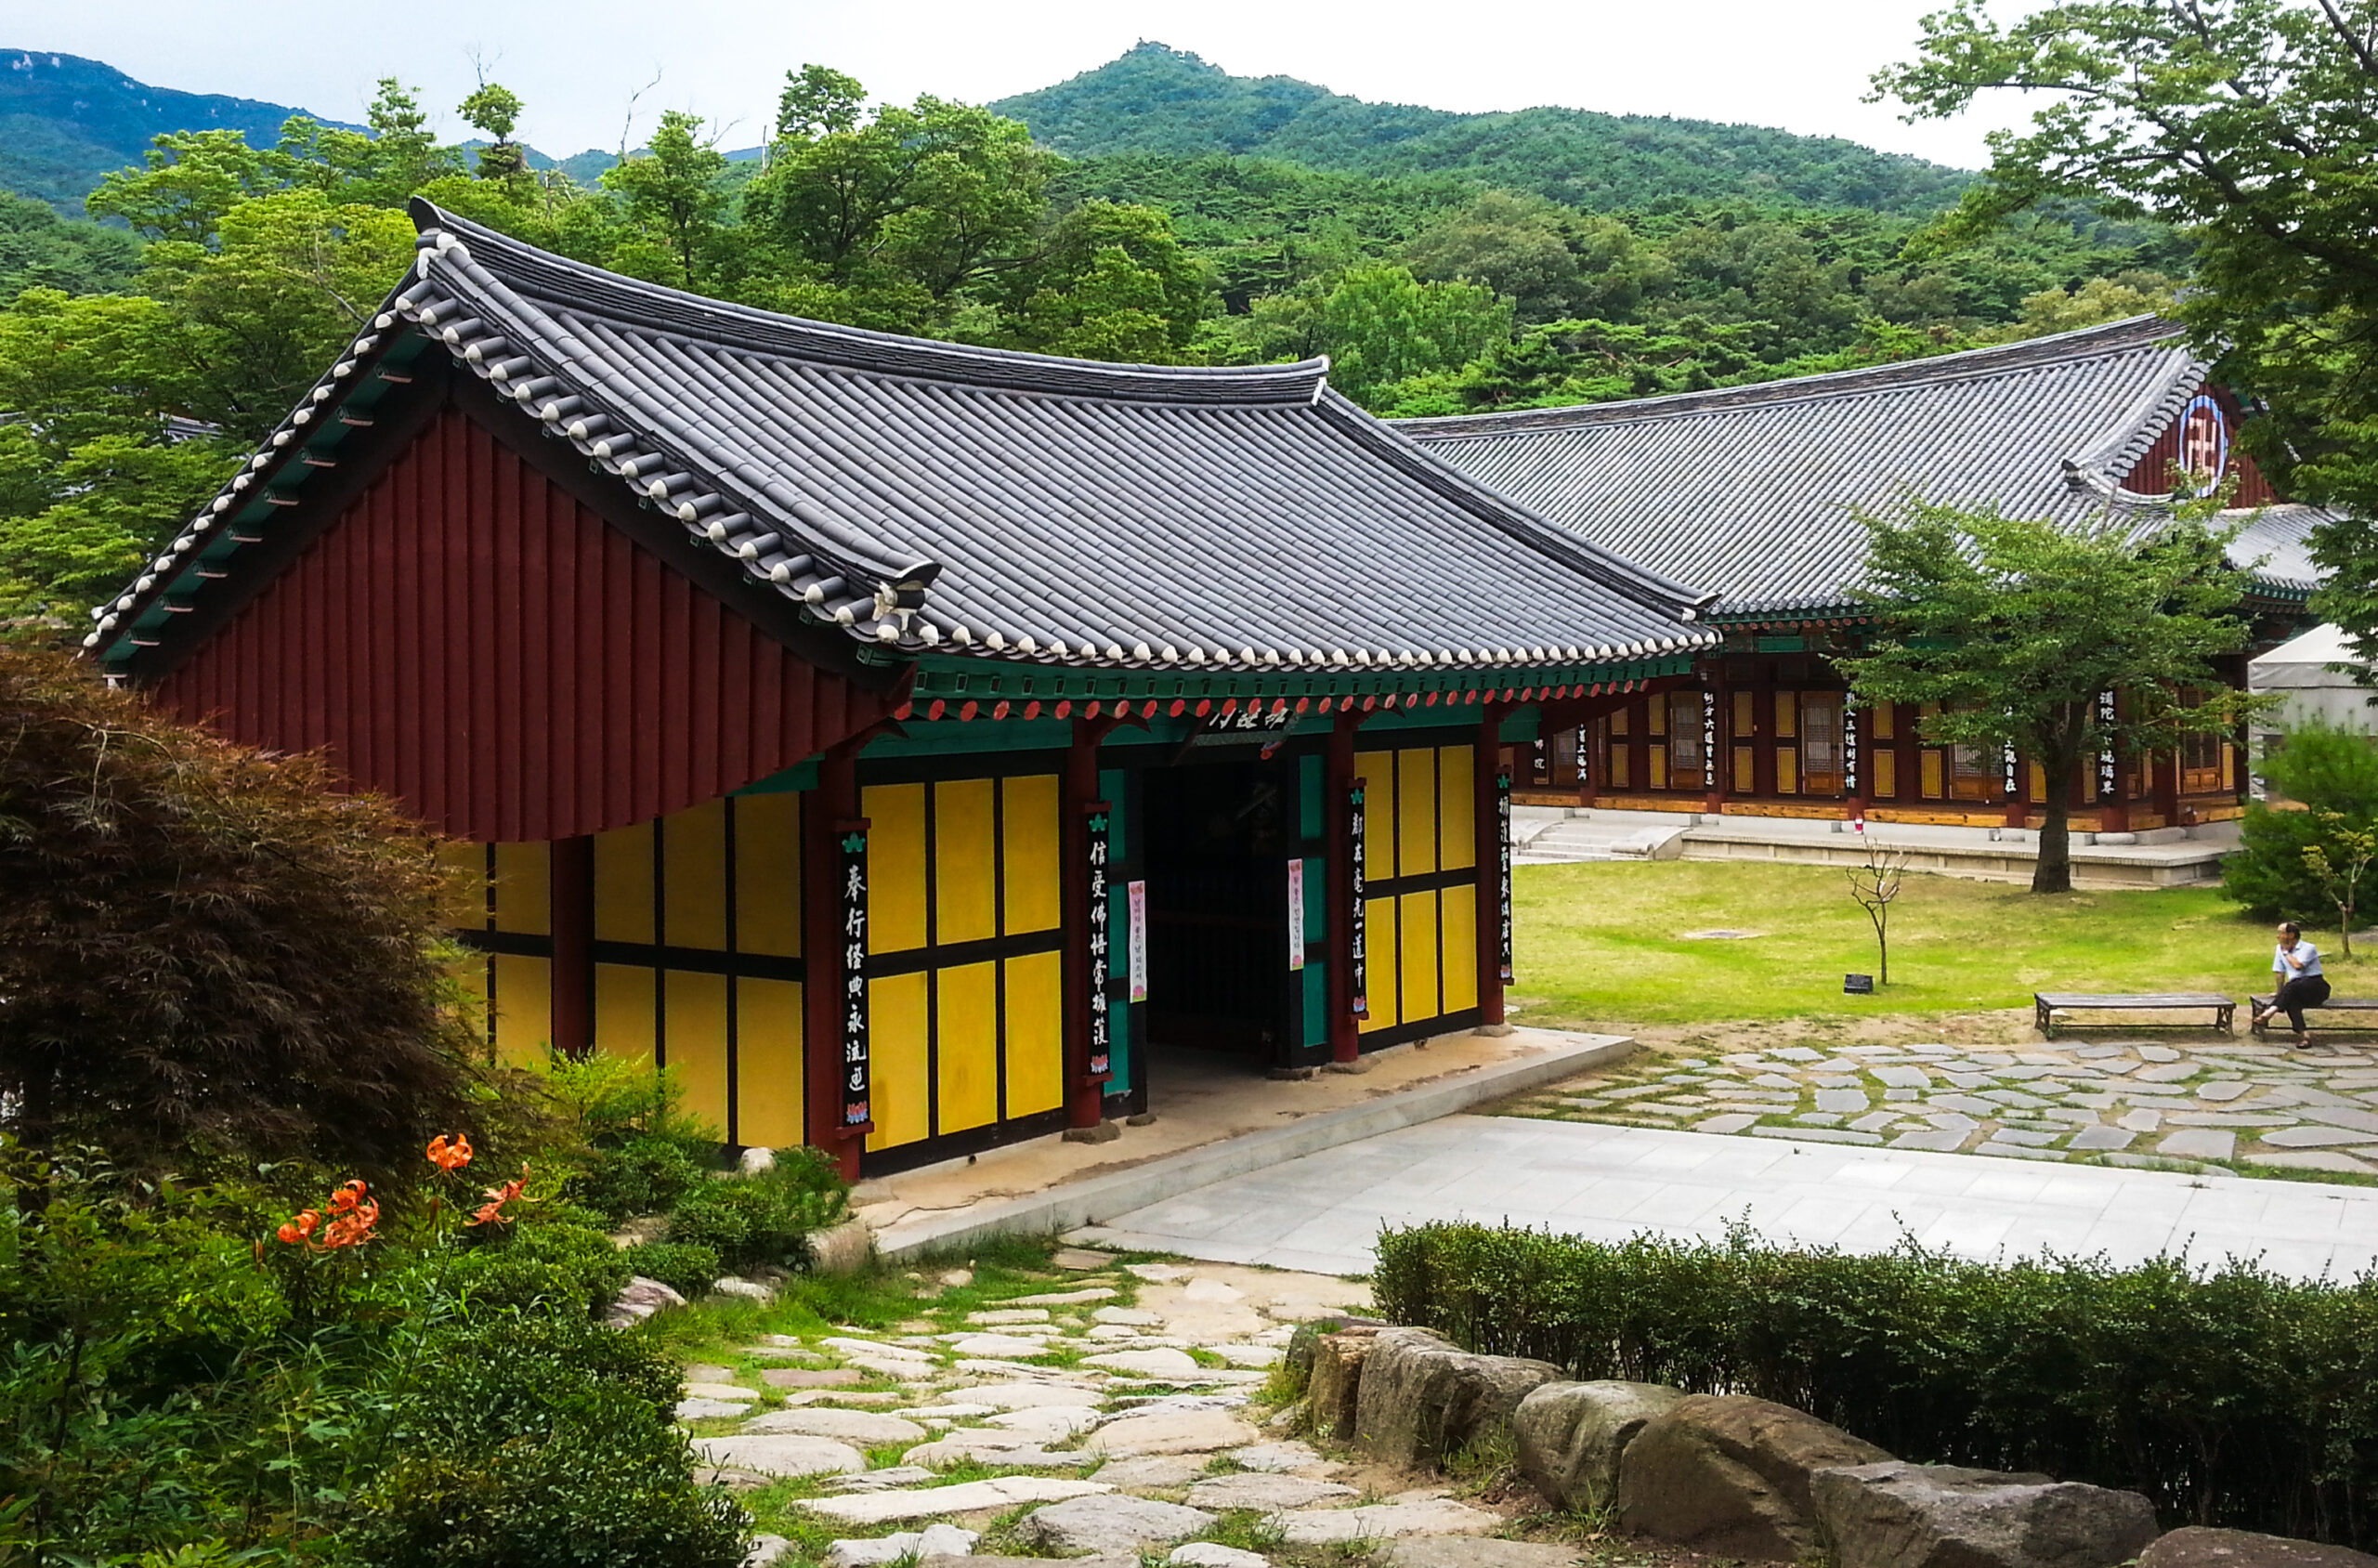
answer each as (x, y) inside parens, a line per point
(931, 495)
(1756, 491)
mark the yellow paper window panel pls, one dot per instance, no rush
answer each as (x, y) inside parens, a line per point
(1377, 771)
(1884, 766)
(1746, 710)
(1934, 784)
(524, 889)
(2035, 782)
(1659, 767)
(898, 1086)
(1033, 882)
(966, 1046)
(1883, 722)
(1458, 916)
(896, 867)
(521, 1009)
(769, 1071)
(1787, 715)
(1788, 770)
(2228, 767)
(1417, 993)
(1745, 770)
(1657, 711)
(693, 865)
(694, 1040)
(1036, 1034)
(465, 869)
(1456, 808)
(965, 861)
(1621, 763)
(1380, 969)
(623, 903)
(1416, 815)
(1618, 721)
(768, 875)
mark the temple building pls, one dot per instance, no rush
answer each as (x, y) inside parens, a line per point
(1760, 493)
(909, 743)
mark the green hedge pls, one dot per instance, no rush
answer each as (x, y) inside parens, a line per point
(2230, 1396)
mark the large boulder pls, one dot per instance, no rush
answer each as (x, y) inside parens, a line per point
(1898, 1515)
(1337, 1378)
(1571, 1435)
(1421, 1397)
(1729, 1475)
(2196, 1547)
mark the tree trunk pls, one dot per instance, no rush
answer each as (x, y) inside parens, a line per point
(2054, 872)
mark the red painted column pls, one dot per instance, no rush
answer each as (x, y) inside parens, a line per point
(573, 924)
(1492, 852)
(2168, 787)
(825, 810)
(1337, 777)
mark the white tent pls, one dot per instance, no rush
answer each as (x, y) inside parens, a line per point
(2303, 671)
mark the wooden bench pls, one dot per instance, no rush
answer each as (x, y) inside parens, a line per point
(2045, 1005)
(2334, 1004)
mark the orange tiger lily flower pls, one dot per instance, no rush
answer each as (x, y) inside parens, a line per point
(300, 1228)
(350, 1194)
(450, 1154)
(492, 1211)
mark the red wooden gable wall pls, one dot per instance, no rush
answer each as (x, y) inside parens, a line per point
(471, 639)
(2153, 474)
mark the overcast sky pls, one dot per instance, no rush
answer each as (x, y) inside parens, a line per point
(1799, 64)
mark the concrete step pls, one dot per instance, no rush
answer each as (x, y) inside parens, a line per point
(1577, 839)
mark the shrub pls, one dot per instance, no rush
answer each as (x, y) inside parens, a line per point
(647, 1176)
(2230, 1396)
(540, 1440)
(556, 1264)
(684, 1267)
(2321, 768)
(203, 945)
(760, 1220)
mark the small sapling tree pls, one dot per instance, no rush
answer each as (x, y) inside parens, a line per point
(1874, 881)
(2336, 861)
(2013, 627)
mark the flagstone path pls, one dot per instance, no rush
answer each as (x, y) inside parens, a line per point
(1119, 1402)
(2109, 1101)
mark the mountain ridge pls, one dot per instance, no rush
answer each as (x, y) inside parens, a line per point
(1154, 98)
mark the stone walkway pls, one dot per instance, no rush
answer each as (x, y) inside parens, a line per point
(2113, 1102)
(1132, 1425)
(1323, 1212)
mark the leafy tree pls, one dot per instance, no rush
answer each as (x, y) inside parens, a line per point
(41, 250)
(293, 278)
(819, 102)
(2336, 860)
(2320, 772)
(496, 109)
(1109, 282)
(675, 191)
(190, 179)
(382, 166)
(2014, 626)
(205, 945)
(1381, 325)
(2249, 121)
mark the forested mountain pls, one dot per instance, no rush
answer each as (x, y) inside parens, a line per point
(1156, 99)
(65, 121)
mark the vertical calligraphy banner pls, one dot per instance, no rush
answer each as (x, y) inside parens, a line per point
(1850, 723)
(2108, 770)
(1358, 964)
(1296, 914)
(851, 840)
(1708, 738)
(2013, 785)
(1101, 940)
(1138, 949)
(1503, 862)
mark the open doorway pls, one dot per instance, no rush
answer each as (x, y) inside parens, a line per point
(1219, 838)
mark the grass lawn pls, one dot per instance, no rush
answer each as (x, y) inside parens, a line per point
(1603, 942)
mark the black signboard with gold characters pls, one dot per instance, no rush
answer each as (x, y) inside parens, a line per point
(851, 840)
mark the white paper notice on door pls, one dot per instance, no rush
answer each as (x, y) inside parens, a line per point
(1296, 914)
(1136, 945)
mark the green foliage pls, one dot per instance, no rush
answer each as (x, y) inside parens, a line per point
(2248, 121)
(645, 1175)
(2013, 627)
(2325, 770)
(762, 1220)
(41, 250)
(671, 194)
(1156, 99)
(181, 1387)
(1379, 325)
(204, 946)
(683, 1266)
(567, 1268)
(2231, 1396)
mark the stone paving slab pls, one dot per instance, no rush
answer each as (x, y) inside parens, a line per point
(1609, 1183)
(2263, 1098)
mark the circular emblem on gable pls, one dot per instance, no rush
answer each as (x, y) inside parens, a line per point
(2204, 442)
